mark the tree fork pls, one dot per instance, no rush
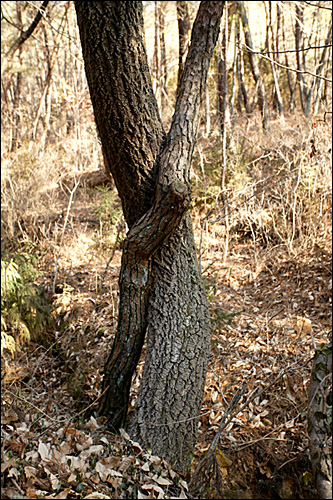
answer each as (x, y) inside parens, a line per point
(161, 289)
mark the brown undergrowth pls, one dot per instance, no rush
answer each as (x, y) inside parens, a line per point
(270, 300)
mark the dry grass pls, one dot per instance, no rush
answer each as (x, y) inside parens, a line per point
(278, 188)
(267, 270)
(270, 280)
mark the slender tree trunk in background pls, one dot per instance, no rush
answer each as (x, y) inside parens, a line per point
(49, 74)
(317, 84)
(184, 26)
(270, 47)
(327, 86)
(222, 81)
(156, 57)
(27, 33)
(222, 112)
(240, 71)
(307, 91)
(262, 100)
(292, 78)
(314, 33)
(276, 45)
(161, 289)
(17, 88)
(234, 78)
(299, 46)
(164, 68)
(46, 121)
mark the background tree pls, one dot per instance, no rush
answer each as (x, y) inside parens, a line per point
(164, 67)
(262, 99)
(223, 117)
(272, 51)
(161, 290)
(156, 57)
(184, 27)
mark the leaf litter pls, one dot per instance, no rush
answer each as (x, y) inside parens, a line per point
(266, 320)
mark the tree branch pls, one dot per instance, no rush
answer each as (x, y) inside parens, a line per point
(318, 6)
(27, 33)
(303, 72)
(176, 155)
(285, 51)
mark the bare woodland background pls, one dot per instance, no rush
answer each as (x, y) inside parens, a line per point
(262, 200)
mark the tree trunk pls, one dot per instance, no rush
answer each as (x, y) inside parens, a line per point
(17, 89)
(242, 93)
(299, 46)
(262, 100)
(292, 78)
(222, 113)
(184, 26)
(164, 69)
(156, 57)
(178, 346)
(318, 82)
(320, 420)
(270, 34)
(161, 291)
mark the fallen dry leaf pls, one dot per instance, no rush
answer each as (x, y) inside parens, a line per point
(96, 495)
(44, 450)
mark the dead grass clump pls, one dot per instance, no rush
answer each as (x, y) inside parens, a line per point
(35, 181)
(278, 188)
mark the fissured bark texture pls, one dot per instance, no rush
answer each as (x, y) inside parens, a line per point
(161, 291)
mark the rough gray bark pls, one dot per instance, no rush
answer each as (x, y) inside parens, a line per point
(320, 420)
(178, 346)
(160, 283)
(178, 332)
(125, 108)
(144, 237)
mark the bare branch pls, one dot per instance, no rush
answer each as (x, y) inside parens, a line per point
(318, 6)
(286, 51)
(27, 33)
(248, 49)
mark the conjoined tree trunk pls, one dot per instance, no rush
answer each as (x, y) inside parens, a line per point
(161, 290)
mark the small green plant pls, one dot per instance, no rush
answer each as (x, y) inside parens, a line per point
(24, 311)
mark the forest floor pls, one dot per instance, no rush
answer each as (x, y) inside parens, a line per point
(270, 308)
